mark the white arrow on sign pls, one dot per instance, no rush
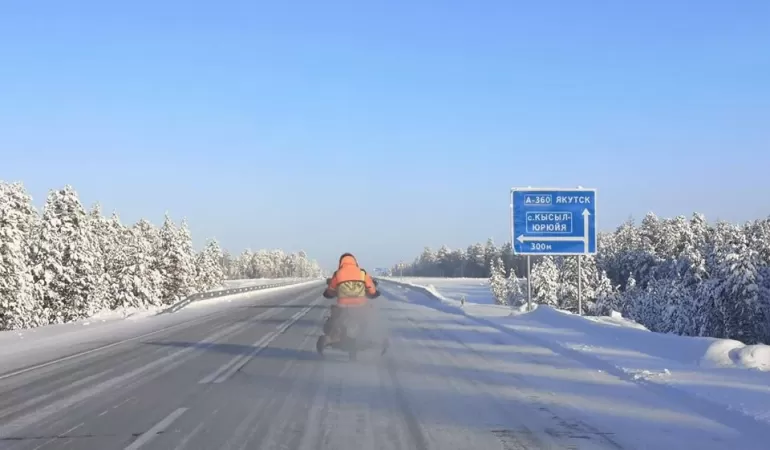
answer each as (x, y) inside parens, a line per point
(583, 239)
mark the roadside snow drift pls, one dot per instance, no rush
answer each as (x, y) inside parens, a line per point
(728, 353)
(721, 371)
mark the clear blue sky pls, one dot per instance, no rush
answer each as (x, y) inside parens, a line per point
(381, 127)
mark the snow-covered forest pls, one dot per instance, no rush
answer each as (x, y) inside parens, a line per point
(269, 264)
(68, 263)
(676, 275)
(473, 262)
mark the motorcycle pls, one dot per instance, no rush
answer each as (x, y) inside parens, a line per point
(347, 332)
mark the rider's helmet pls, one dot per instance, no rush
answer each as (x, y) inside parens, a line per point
(344, 255)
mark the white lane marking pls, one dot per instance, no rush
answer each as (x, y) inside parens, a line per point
(123, 402)
(148, 435)
(262, 344)
(183, 443)
(235, 364)
(41, 398)
(212, 376)
(265, 315)
(259, 344)
(106, 411)
(120, 381)
(103, 347)
(59, 436)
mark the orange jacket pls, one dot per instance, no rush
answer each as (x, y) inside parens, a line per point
(350, 284)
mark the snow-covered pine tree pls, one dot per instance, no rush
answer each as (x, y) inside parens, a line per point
(315, 269)
(444, 262)
(645, 261)
(497, 281)
(459, 261)
(568, 288)
(545, 282)
(670, 237)
(739, 303)
(758, 234)
(228, 265)
(607, 254)
(711, 320)
(19, 308)
(506, 253)
(427, 262)
(491, 253)
(140, 281)
(64, 258)
(764, 300)
(627, 243)
(97, 229)
(516, 294)
(678, 314)
(607, 296)
(177, 261)
(276, 262)
(628, 298)
(109, 238)
(474, 262)
(209, 273)
(690, 258)
(264, 265)
(277, 259)
(651, 303)
(243, 264)
(707, 319)
(590, 278)
(295, 262)
(301, 269)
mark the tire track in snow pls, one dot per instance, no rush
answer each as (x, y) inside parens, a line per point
(412, 424)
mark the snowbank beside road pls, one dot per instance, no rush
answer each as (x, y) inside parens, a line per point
(124, 316)
(249, 282)
(707, 352)
(728, 353)
(710, 369)
(475, 290)
(26, 348)
(251, 294)
(618, 333)
(451, 291)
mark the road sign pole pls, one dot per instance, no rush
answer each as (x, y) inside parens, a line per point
(529, 286)
(511, 221)
(580, 289)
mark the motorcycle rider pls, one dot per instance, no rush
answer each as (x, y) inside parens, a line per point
(352, 287)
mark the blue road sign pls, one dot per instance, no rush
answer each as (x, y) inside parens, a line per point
(553, 221)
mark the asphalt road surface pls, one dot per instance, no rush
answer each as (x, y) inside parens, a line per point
(248, 377)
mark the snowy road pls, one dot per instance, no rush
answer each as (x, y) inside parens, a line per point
(248, 377)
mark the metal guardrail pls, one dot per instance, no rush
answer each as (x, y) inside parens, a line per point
(222, 293)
